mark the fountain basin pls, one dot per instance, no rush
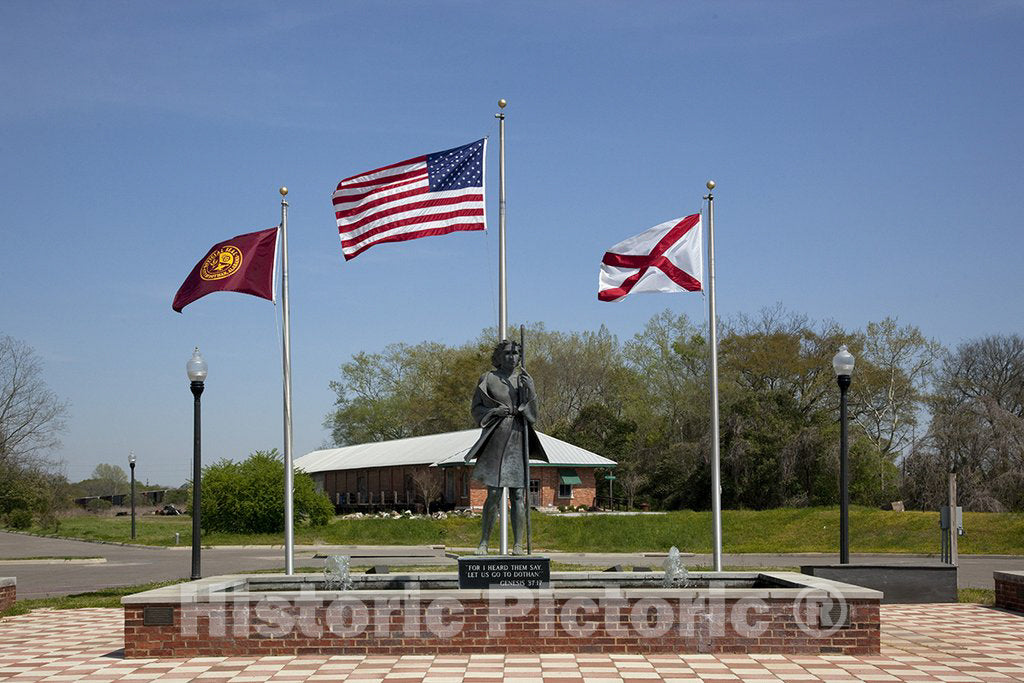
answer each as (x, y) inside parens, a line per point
(721, 612)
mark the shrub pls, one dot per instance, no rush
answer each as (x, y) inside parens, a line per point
(49, 522)
(98, 505)
(19, 519)
(248, 497)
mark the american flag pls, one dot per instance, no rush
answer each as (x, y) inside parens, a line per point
(434, 194)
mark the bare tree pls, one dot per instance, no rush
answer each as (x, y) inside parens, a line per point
(31, 416)
(977, 428)
(428, 485)
(631, 481)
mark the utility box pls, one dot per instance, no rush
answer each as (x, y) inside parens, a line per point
(944, 519)
(948, 526)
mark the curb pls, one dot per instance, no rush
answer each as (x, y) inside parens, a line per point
(71, 560)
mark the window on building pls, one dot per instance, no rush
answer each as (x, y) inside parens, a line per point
(567, 478)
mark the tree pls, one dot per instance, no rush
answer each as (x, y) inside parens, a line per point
(248, 497)
(977, 428)
(891, 382)
(405, 391)
(665, 393)
(631, 481)
(31, 416)
(428, 484)
(778, 421)
(108, 480)
(571, 371)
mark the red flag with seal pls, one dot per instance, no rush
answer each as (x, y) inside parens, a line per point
(245, 264)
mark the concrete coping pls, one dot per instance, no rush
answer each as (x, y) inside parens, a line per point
(8, 581)
(1015, 576)
(226, 589)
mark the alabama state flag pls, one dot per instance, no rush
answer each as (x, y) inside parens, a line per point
(666, 258)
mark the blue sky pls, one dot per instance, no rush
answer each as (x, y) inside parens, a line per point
(868, 160)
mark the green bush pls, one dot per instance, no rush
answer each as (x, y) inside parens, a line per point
(248, 497)
(19, 519)
(49, 522)
(98, 505)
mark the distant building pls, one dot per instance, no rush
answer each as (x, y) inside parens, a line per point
(384, 474)
(124, 499)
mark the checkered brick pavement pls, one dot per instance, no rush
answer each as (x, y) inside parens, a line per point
(919, 643)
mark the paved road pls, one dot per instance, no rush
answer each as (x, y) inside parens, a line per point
(128, 565)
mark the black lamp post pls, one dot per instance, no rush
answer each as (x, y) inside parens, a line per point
(842, 363)
(196, 369)
(131, 466)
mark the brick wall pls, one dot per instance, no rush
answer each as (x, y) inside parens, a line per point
(1009, 590)
(8, 592)
(582, 494)
(541, 626)
(396, 480)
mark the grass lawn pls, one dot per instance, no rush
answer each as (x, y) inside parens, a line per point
(744, 531)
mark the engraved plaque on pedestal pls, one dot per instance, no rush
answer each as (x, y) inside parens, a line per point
(504, 571)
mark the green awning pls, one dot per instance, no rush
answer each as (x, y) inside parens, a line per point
(569, 476)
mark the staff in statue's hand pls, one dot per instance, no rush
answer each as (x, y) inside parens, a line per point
(502, 396)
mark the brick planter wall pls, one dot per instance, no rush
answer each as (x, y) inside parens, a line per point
(1009, 590)
(8, 591)
(390, 622)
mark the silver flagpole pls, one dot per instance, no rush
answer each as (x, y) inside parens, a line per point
(716, 483)
(289, 508)
(502, 291)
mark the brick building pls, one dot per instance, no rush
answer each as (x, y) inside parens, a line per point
(391, 474)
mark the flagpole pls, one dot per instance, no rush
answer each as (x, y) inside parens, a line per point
(716, 483)
(502, 290)
(289, 486)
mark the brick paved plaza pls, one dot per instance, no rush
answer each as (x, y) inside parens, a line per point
(919, 643)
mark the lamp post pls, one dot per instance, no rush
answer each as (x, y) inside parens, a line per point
(842, 363)
(131, 466)
(196, 370)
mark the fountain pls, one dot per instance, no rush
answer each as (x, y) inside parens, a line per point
(676, 575)
(427, 613)
(336, 573)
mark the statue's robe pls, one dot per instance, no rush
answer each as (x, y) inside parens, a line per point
(499, 450)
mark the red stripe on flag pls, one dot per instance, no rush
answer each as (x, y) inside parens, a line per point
(457, 227)
(373, 203)
(415, 160)
(355, 198)
(410, 221)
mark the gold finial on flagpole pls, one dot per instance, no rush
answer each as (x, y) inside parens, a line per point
(502, 103)
(711, 184)
(283, 191)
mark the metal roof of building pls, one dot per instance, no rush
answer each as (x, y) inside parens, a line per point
(434, 449)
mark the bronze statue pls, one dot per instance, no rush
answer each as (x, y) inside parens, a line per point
(505, 407)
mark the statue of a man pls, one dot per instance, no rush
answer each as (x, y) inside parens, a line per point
(505, 407)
